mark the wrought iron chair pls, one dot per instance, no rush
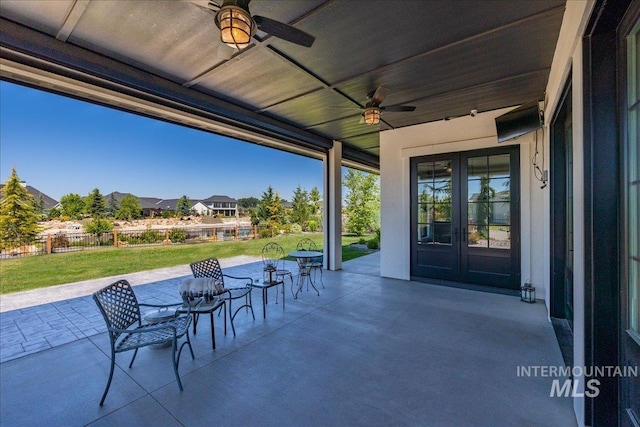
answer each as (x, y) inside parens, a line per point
(211, 268)
(121, 310)
(273, 273)
(313, 264)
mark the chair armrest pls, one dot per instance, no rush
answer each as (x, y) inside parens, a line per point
(177, 304)
(154, 328)
(239, 278)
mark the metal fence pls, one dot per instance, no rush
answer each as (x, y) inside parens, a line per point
(74, 241)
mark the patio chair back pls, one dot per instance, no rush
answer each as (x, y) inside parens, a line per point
(306, 245)
(208, 268)
(272, 257)
(119, 306)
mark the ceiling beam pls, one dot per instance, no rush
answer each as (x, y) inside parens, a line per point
(76, 10)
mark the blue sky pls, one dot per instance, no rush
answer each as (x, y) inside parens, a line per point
(60, 145)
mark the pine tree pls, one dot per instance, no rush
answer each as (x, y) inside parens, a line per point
(263, 212)
(314, 201)
(112, 206)
(300, 207)
(95, 205)
(183, 206)
(18, 218)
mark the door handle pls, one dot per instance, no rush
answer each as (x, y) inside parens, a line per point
(455, 233)
(464, 234)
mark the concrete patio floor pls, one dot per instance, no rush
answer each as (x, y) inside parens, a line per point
(368, 351)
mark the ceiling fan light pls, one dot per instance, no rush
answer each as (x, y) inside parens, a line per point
(236, 26)
(371, 115)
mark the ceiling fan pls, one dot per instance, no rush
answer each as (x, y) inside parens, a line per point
(237, 26)
(372, 110)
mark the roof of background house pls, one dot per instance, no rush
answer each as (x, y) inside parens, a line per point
(219, 198)
(49, 202)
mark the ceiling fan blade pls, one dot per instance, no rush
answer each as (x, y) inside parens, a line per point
(378, 95)
(284, 31)
(398, 108)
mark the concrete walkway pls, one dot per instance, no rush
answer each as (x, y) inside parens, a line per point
(40, 319)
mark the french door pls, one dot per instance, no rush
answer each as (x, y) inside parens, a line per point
(465, 217)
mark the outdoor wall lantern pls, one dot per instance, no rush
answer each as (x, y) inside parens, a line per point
(528, 293)
(236, 26)
(371, 115)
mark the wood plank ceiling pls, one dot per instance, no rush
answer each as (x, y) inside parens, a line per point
(444, 57)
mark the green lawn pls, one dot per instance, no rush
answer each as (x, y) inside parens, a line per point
(46, 270)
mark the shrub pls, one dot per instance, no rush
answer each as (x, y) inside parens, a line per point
(296, 228)
(177, 235)
(150, 236)
(60, 240)
(286, 228)
(373, 243)
(362, 241)
(264, 232)
(312, 225)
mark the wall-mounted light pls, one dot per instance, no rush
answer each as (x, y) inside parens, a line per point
(236, 26)
(371, 115)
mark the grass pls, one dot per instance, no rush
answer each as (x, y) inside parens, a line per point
(47, 270)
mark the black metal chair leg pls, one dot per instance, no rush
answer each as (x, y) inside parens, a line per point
(106, 390)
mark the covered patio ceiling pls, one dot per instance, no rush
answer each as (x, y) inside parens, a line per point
(164, 59)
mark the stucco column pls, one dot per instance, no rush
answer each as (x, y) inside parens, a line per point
(332, 208)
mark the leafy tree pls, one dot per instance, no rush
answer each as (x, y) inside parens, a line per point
(112, 206)
(363, 201)
(95, 205)
(18, 217)
(129, 208)
(183, 207)
(98, 227)
(72, 206)
(300, 207)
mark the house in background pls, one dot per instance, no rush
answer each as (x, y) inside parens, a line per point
(153, 206)
(221, 205)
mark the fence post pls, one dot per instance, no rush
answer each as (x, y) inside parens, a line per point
(255, 232)
(215, 234)
(115, 238)
(166, 237)
(236, 233)
(48, 244)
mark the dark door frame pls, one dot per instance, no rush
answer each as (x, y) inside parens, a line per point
(603, 201)
(458, 277)
(558, 185)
